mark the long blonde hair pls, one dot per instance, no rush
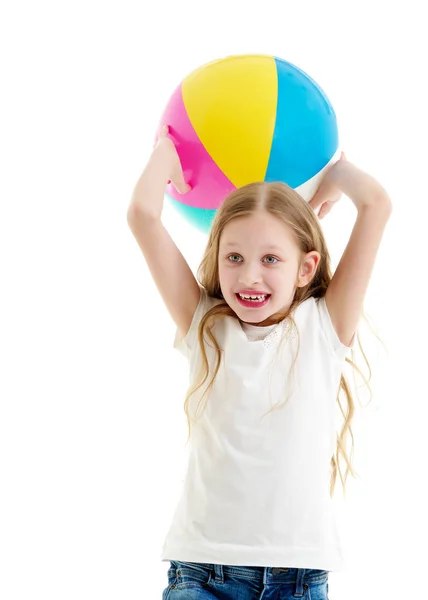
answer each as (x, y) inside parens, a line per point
(284, 203)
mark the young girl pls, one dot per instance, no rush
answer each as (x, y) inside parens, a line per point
(272, 328)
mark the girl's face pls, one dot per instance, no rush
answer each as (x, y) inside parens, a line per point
(258, 255)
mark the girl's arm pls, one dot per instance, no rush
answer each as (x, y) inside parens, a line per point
(346, 292)
(172, 275)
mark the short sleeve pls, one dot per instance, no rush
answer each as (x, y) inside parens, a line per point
(186, 344)
(329, 331)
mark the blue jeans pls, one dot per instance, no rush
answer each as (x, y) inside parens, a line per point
(204, 581)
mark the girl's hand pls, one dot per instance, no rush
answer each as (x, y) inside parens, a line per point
(165, 151)
(163, 167)
(328, 192)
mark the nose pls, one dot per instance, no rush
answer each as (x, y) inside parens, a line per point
(249, 275)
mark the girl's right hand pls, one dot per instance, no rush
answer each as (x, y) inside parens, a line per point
(164, 166)
(165, 151)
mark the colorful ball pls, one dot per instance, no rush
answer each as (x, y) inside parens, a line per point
(247, 118)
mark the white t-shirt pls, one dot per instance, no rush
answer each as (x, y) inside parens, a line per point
(256, 491)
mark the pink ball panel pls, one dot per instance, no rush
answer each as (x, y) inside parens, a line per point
(197, 164)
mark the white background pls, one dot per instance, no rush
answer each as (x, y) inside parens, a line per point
(92, 426)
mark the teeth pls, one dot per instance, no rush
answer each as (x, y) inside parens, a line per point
(258, 298)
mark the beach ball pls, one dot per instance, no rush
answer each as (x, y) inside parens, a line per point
(247, 118)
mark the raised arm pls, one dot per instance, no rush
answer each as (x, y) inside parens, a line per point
(346, 292)
(172, 275)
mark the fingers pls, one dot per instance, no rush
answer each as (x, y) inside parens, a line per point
(163, 133)
(182, 187)
(325, 209)
(314, 203)
(178, 180)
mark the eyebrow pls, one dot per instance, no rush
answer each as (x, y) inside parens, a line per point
(271, 247)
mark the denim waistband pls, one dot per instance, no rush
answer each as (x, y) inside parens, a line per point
(205, 572)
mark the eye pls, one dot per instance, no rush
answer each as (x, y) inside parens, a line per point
(231, 256)
(272, 263)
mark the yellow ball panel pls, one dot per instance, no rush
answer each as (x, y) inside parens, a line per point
(231, 104)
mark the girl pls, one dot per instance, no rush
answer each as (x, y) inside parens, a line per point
(273, 328)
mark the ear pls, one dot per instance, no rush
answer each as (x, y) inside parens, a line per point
(308, 267)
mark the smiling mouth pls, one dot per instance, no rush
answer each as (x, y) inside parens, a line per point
(248, 303)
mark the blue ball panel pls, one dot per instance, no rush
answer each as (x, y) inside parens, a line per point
(305, 136)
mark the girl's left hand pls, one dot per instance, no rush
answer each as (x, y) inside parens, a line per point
(328, 193)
